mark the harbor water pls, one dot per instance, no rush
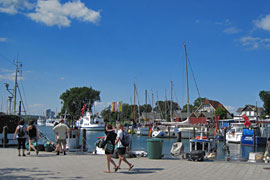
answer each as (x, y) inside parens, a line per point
(237, 152)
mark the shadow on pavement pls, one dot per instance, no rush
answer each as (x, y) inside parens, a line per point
(32, 174)
(141, 171)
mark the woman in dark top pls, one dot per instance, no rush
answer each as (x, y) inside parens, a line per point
(20, 134)
(33, 136)
(110, 138)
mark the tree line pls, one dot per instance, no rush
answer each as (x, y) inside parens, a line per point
(73, 100)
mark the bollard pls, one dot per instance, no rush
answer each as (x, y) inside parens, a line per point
(5, 138)
(84, 140)
(179, 137)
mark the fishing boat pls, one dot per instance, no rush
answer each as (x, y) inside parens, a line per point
(91, 122)
(234, 135)
(11, 122)
(252, 137)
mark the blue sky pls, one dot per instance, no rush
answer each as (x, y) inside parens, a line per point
(110, 45)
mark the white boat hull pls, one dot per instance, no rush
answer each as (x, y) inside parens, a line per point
(233, 138)
(100, 128)
(164, 134)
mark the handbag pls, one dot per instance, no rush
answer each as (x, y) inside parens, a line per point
(109, 147)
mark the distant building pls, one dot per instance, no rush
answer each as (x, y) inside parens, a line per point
(250, 111)
(48, 113)
(210, 106)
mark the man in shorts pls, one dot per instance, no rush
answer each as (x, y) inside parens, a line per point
(61, 131)
(121, 149)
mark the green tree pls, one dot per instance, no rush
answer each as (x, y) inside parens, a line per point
(265, 97)
(198, 102)
(221, 112)
(145, 108)
(74, 99)
(164, 107)
(191, 108)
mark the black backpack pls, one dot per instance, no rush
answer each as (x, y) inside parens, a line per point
(125, 139)
(21, 132)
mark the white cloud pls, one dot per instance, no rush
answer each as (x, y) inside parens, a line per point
(52, 12)
(227, 22)
(14, 6)
(36, 105)
(263, 23)
(230, 108)
(9, 75)
(255, 42)
(3, 39)
(62, 78)
(232, 30)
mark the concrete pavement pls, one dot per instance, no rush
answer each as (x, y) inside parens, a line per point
(88, 166)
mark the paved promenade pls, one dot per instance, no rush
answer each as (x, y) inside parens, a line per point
(88, 166)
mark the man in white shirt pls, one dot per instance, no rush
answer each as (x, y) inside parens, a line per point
(61, 131)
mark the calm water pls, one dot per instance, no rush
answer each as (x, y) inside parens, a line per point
(237, 151)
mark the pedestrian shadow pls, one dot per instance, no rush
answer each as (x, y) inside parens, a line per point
(42, 155)
(142, 170)
(32, 174)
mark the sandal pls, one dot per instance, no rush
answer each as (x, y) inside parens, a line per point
(116, 169)
(131, 167)
(107, 172)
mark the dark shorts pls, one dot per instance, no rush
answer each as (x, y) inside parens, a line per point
(33, 138)
(61, 141)
(121, 151)
(106, 152)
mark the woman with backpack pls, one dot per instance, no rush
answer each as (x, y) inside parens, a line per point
(109, 146)
(33, 136)
(20, 134)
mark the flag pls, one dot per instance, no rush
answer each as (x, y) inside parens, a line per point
(247, 122)
(150, 131)
(113, 106)
(83, 109)
(120, 106)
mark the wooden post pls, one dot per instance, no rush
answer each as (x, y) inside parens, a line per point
(179, 136)
(5, 139)
(84, 140)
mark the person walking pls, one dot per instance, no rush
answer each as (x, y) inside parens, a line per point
(61, 131)
(21, 135)
(33, 137)
(109, 146)
(121, 148)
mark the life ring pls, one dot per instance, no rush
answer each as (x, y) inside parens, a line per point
(199, 137)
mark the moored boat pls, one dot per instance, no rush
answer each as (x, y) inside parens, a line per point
(91, 122)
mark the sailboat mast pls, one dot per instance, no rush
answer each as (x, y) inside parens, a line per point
(187, 82)
(134, 113)
(15, 88)
(171, 113)
(146, 104)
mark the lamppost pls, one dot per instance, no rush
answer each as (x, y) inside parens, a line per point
(9, 98)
